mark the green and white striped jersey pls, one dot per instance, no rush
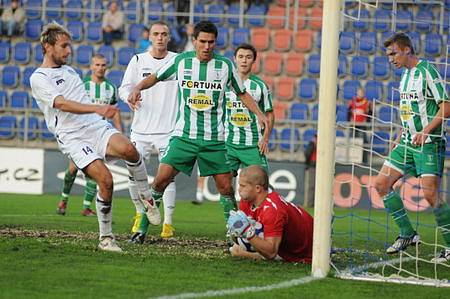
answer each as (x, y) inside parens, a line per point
(201, 94)
(103, 93)
(421, 92)
(242, 128)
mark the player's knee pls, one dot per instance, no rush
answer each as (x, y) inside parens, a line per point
(430, 195)
(225, 189)
(105, 182)
(381, 185)
(131, 154)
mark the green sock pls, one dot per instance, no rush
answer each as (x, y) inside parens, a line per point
(394, 205)
(143, 225)
(442, 214)
(90, 191)
(228, 203)
(156, 196)
(68, 183)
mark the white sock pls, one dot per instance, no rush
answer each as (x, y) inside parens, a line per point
(169, 202)
(199, 195)
(104, 216)
(138, 173)
(134, 194)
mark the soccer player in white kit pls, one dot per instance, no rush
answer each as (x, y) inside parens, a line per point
(81, 132)
(154, 120)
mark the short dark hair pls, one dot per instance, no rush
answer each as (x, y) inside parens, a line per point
(401, 39)
(205, 26)
(246, 46)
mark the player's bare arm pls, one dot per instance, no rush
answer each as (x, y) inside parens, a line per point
(135, 96)
(443, 112)
(264, 142)
(62, 104)
(117, 121)
(267, 247)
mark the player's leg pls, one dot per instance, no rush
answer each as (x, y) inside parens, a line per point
(69, 179)
(121, 147)
(225, 188)
(90, 191)
(199, 196)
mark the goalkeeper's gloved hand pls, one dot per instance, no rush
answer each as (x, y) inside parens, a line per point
(240, 226)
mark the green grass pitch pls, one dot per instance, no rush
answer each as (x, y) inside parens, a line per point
(44, 255)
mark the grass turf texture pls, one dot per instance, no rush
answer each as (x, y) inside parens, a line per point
(44, 255)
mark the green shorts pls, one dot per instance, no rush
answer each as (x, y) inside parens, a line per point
(418, 161)
(245, 156)
(211, 156)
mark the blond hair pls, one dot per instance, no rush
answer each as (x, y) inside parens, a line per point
(51, 32)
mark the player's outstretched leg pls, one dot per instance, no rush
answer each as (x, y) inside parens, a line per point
(69, 179)
(134, 194)
(90, 191)
(169, 206)
(224, 186)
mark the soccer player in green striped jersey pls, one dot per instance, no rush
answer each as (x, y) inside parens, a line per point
(101, 91)
(420, 148)
(244, 142)
(202, 77)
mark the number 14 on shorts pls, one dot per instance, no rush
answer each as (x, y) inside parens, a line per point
(87, 150)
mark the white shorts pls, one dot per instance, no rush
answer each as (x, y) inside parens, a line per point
(146, 143)
(87, 144)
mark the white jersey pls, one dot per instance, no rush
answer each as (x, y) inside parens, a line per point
(47, 84)
(158, 111)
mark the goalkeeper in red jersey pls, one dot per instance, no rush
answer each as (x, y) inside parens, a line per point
(288, 229)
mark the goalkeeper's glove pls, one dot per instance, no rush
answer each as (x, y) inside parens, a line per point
(240, 226)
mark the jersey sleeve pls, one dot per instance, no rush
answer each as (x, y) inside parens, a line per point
(435, 84)
(114, 96)
(169, 70)
(266, 98)
(43, 89)
(129, 79)
(274, 220)
(234, 81)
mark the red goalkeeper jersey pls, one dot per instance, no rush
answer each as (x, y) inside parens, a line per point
(283, 219)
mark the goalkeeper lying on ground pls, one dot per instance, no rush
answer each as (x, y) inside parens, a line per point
(288, 229)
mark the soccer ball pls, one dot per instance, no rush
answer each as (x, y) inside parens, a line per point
(244, 243)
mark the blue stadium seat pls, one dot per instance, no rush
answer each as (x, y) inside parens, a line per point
(319, 40)
(256, 10)
(216, 9)
(123, 106)
(362, 23)
(403, 20)
(20, 100)
(33, 9)
(77, 30)
(26, 76)
(350, 88)
(360, 66)
(155, 11)
(307, 89)
(53, 9)
(380, 68)
(447, 151)
(387, 114)
(393, 94)
(130, 12)
(72, 6)
(10, 76)
(8, 126)
(384, 36)
(5, 52)
(171, 19)
(415, 38)
(424, 19)
(22, 52)
(341, 113)
(290, 139)
(198, 9)
(175, 35)
(233, 9)
(342, 67)
(38, 55)
(3, 99)
(116, 76)
(34, 105)
(96, 16)
(229, 54)
(84, 55)
(398, 72)
(108, 52)
(134, 32)
(347, 42)
(444, 68)
(80, 72)
(374, 90)
(222, 38)
(380, 142)
(308, 135)
(33, 128)
(273, 139)
(94, 32)
(299, 111)
(382, 20)
(433, 44)
(45, 133)
(315, 112)
(446, 24)
(124, 55)
(314, 64)
(368, 42)
(33, 29)
(240, 35)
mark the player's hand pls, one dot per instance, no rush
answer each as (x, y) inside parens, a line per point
(419, 138)
(263, 121)
(235, 250)
(263, 146)
(107, 111)
(134, 99)
(239, 225)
